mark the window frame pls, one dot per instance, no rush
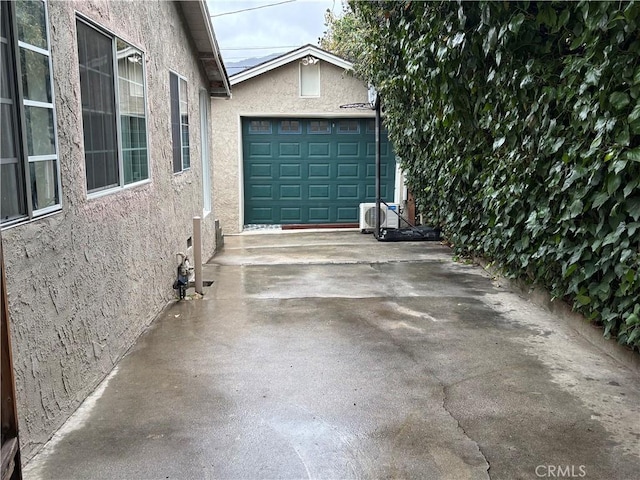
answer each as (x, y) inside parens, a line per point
(323, 132)
(301, 66)
(97, 193)
(350, 121)
(180, 78)
(19, 114)
(282, 131)
(250, 130)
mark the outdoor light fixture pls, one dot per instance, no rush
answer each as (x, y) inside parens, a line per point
(309, 60)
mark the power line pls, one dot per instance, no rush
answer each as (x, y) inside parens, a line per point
(261, 48)
(252, 8)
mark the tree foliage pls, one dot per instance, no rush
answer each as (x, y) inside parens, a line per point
(343, 36)
(518, 124)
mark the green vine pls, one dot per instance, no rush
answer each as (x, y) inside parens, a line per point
(518, 124)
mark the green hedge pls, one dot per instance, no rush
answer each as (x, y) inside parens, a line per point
(518, 124)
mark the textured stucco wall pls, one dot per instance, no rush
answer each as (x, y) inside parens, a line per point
(85, 282)
(272, 93)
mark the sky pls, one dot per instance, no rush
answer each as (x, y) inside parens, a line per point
(264, 31)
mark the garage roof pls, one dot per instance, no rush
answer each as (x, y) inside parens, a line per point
(196, 15)
(288, 58)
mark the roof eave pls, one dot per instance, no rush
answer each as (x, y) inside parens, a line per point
(289, 57)
(198, 20)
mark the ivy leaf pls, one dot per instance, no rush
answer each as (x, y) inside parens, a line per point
(633, 155)
(599, 200)
(516, 22)
(498, 142)
(636, 76)
(635, 113)
(633, 207)
(619, 100)
(613, 183)
(583, 299)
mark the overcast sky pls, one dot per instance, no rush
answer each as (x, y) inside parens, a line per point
(259, 32)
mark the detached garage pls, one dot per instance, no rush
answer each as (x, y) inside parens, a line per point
(289, 154)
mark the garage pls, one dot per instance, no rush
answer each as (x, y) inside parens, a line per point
(311, 171)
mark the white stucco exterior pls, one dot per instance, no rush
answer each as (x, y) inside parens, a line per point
(274, 93)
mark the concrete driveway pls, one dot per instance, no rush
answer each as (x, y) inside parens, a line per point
(333, 356)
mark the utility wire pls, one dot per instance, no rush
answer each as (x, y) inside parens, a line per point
(252, 8)
(261, 48)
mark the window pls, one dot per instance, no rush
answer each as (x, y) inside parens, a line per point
(349, 126)
(29, 168)
(319, 127)
(179, 122)
(310, 77)
(290, 126)
(259, 126)
(115, 133)
(371, 127)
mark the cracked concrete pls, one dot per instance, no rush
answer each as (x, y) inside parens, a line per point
(333, 356)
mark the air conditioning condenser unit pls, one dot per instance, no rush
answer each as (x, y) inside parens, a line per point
(389, 216)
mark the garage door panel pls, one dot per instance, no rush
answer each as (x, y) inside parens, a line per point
(290, 170)
(384, 171)
(316, 175)
(319, 149)
(291, 214)
(262, 149)
(262, 192)
(319, 170)
(348, 170)
(348, 149)
(260, 170)
(319, 215)
(261, 214)
(348, 192)
(371, 149)
(289, 149)
(290, 192)
(319, 192)
(347, 214)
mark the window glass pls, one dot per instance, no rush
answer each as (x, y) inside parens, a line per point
(44, 183)
(260, 126)
(290, 126)
(179, 122)
(40, 131)
(36, 80)
(98, 108)
(348, 126)
(184, 124)
(31, 19)
(27, 113)
(319, 126)
(133, 124)
(310, 80)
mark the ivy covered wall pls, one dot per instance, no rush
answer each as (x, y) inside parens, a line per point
(518, 124)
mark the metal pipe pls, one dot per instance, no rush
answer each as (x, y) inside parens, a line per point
(197, 253)
(378, 168)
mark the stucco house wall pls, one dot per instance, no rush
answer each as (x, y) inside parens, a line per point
(84, 282)
(274, 93)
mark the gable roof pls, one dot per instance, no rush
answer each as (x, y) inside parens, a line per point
(289, 57)
(196, 15)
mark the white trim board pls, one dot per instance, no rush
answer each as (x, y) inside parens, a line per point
(288, 58)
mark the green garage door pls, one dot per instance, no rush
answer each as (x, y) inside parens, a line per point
(311, 171)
